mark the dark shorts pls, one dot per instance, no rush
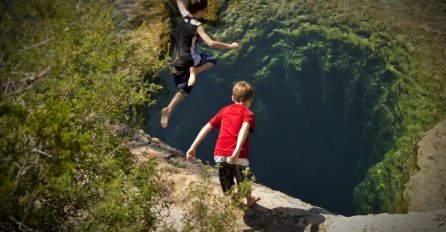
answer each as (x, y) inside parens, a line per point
(228, 172)
(181, 79)
(181, 67)
(187, 61)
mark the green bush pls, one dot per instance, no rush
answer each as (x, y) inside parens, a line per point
(67, 79)
(209, 212)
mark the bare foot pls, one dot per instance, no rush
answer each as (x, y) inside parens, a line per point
(191, 76)
(165, 113)
(250, 201)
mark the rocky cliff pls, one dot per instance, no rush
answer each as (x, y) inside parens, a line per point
(426, 188)
(418, 28)
(277, 211)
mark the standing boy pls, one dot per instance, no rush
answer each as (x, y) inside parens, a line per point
(231, 152)
(186, 61)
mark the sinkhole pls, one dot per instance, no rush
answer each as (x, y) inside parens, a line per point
(320, 124)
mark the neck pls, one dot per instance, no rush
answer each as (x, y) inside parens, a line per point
(246, 104)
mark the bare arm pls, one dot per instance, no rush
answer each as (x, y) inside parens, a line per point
(243, 133)
(201, 135)
(216, 44)
(182, 8)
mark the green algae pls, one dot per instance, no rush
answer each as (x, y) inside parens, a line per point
(401, 99)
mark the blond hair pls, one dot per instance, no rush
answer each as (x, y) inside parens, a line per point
(242, 91)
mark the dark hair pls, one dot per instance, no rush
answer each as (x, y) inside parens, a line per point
(193, 6)
(242, 91)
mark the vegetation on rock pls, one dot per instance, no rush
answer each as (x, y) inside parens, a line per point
(68, 75)
(382, 64)
(73, 73)
(67, 79)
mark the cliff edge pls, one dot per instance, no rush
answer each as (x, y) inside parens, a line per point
(277, 211)
(426, 189)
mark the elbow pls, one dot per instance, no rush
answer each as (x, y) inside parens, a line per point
(208, 126)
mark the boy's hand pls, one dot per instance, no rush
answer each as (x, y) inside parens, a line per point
(233, 158)
(190, 154)
(235, 46)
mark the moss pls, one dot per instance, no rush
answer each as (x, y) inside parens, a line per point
(404, 91)
(411, 90)
(213, 10)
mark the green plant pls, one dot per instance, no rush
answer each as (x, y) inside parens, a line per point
(377, 56)
(208, 212)
(67, 80)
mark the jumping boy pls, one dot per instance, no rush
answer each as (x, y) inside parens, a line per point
(186, 61)
(231, 152)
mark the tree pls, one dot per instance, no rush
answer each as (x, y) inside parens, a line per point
(66, 79)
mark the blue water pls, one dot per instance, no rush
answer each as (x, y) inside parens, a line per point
(314, 131)
(306, 147)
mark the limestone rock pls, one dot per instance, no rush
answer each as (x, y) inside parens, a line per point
(275, 211)
(426, 189)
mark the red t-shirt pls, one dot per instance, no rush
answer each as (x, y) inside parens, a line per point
(230, 119)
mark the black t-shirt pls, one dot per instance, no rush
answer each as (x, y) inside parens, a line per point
(186, 37)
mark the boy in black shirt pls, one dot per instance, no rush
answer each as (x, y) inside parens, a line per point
(186, 61)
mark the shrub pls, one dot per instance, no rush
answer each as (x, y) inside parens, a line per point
(66, 79)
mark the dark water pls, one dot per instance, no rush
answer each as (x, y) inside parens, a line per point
(313, 100)
(307, 149)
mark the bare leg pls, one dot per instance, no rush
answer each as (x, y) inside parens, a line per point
(251, 200)
(192, 75)
(165, 112)
(194, 71)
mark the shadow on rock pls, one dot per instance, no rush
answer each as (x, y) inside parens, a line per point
(283, 219)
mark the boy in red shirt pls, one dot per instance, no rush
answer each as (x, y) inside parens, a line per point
(231, 152)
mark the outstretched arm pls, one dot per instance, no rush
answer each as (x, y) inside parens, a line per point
(243, 133)
(201, 135)
(216, 44)
(182, 8)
